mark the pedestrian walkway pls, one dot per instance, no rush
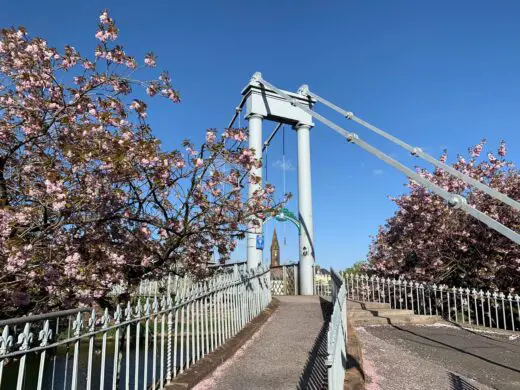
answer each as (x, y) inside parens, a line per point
(288, 352)
(438, 357)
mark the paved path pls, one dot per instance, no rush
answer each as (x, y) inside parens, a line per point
(277, 355)
(438, 357)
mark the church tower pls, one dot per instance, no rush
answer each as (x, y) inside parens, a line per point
(275, 250)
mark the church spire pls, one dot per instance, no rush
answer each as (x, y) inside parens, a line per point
(275, 250)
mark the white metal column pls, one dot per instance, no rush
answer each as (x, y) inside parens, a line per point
(305, 210)
(254, 256)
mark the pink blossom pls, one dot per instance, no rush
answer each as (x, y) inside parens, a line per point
(210, 136)
(151, 90)
(146, 261)
(145, 231)
(427, 240)
(90, 198)
(101, 36)
(104, 18)
(477, 149)
(502, 149)
(150, 60)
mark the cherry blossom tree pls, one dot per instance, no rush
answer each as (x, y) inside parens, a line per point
(427, 240)
(88, 198)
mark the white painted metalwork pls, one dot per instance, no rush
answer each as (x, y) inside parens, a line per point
(305, 209)
(142, 344)
(255, 227)
(454, 200)
(260, 104)
(418, 152)
(337, 334)
(284, 279)
(273, 107)
(323, 287)
(322, 283)
(473, 307)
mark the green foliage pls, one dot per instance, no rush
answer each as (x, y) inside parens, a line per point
(356, 268)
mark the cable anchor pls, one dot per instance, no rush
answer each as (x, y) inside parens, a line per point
(416, 151)
(457, 201)
(351, 137)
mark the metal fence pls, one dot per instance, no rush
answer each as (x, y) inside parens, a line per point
(284, 279)
(166, 285)
(337, 334)
(463, 305)
(323, 287)
(140, 345)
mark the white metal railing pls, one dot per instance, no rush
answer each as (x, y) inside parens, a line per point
(141, 344)
(284, 279)
(152, 287)
(322, 285)
(463, 305)
(337, 334)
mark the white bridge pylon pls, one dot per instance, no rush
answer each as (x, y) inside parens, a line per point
(453, 199)
(265, 101)
(263, 104)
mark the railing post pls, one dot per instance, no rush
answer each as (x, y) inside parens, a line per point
(284, 280)
(296, 281)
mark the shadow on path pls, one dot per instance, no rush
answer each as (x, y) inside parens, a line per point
(448, 346)
(457, 383)
(481, 334)
(314, 376)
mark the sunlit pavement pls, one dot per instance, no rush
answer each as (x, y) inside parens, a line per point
(438, 357)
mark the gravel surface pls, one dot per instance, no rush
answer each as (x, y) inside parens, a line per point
(277, 355)
(438, 357)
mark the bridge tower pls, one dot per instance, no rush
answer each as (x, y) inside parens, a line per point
(263, 104)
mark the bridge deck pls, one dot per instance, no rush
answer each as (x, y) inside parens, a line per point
(286, 353)
(438, 357)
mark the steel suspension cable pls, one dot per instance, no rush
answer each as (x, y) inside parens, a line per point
(284, 172)
(283, 161)
(418, 152)
(265, 149)
(454, 200)
(238, 110)
(265, 232)
(268, 142)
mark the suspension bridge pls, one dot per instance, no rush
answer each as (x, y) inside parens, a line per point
(254, 327)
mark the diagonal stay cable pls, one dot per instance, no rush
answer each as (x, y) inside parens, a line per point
(268, 142)
(454, 200)
(418, 152)
(238, 109)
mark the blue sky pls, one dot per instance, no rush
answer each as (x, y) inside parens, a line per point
(439, 74)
